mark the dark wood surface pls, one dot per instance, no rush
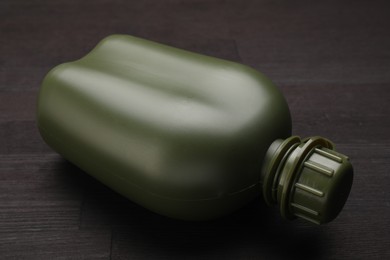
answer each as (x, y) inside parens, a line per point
(331, 59)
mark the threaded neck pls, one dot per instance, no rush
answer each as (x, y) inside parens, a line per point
(306, 178)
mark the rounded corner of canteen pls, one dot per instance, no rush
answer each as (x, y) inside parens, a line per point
(186, 135)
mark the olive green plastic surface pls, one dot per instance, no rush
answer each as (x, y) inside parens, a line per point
(179, 133)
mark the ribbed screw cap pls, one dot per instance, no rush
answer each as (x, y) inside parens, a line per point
(312, 181)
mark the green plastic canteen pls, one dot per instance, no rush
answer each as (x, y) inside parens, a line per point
(186, 135)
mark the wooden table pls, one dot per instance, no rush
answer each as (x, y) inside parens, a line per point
(331, 59)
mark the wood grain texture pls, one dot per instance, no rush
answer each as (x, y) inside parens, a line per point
(331, 59)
